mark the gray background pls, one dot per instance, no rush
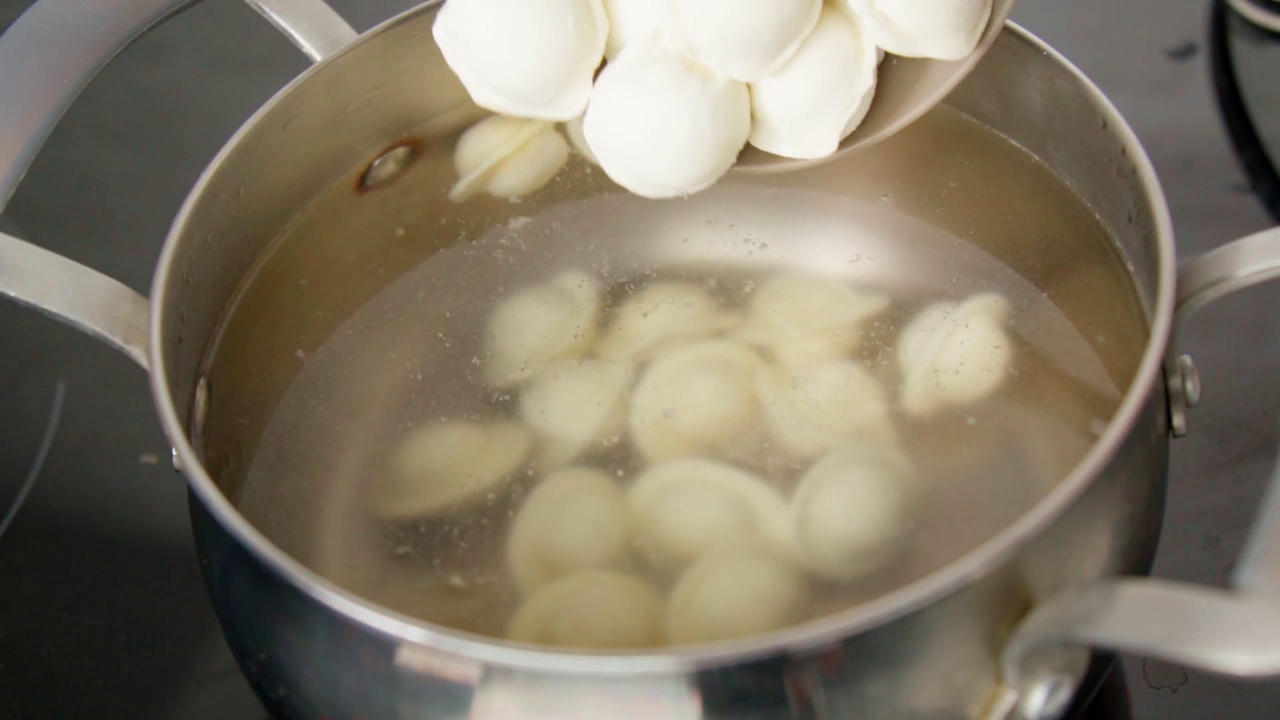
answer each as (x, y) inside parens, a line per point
(102, 611)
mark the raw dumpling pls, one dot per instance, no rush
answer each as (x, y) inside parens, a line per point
(634, 21)
(440, 466)
(661, 125)
(528, 59)
(507, 157)
(804, 318)
(540, 325)
(954, 353)
(939, 29)
(744, 39)
(573, 404)
(736, 591)
(597, 609)
(695, 399)
(575, 519)
(682, 509)
(658, 313)
(851, 511)
(573, 129)
(812, 409)
(820, 95)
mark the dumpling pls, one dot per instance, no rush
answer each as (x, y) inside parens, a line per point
(682, 509)
(636, 20)
(805, 318)
(815, 408)
(744, 39)
(442, 465)
(575, 519)
(521, 58)
(596, 609)
(507, 157)
(696, 399)
(574, 404)
(539, 325)
(954, 353)
(658, 313)
(939, 29)
(736, 591)
(851, 511)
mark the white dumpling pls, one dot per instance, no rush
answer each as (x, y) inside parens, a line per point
(635, 21)
(596, 609)
(442, 465)
(573, 129)
(521, 58)
(939, 29)
(573, 404)
(851, 511)
(804, 317)
(812, 409)
(658, 313)
(954, 353)
(697, 399)
(736, 591)
(539, 325)
(682, 509)
(744, 39)
(575, 519)
(507, 157)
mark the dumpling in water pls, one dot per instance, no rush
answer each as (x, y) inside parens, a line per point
(507, 157)
(683, 509)
(659, 313)
(804, 318)
(573, 405)
(596, 609)
(697, 399)
(851, 511)
(574, 520)
(736, 591)
(539, 325)
(954, 353)
(443, 465)
(812, 409)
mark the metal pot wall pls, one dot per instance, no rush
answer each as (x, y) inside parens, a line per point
(999, 634)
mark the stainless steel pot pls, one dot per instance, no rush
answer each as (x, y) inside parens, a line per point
(999, 634)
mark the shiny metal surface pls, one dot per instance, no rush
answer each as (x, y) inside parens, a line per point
(312, 25)
(928, 652)
(907, 88)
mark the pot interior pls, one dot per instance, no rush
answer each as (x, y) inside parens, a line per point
(359, 316)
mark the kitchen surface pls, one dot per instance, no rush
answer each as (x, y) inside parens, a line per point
(103, 612)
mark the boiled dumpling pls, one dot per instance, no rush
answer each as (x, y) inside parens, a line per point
(954, 353)
(851, 511)
(659, 313)
(636, 20)
(597, 609)
(812, 409)
(573, 129)
(804, 318)
(695, 399)
(440, 466)
(507, 157)
(540, 325)
(736, 591)
(683, 509)
(521, 58)
(575, 519)
(744, 39)
(574, 404)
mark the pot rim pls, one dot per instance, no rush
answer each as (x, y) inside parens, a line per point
(823, 632)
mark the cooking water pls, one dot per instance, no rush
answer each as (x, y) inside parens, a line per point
(944, 212)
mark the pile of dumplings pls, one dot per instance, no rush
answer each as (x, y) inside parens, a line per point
(685, 84)
(761, 456)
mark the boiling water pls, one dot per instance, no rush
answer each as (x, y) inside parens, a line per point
(366, 321)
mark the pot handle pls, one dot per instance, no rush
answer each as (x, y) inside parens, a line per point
(1232, 632)
(47, 57)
